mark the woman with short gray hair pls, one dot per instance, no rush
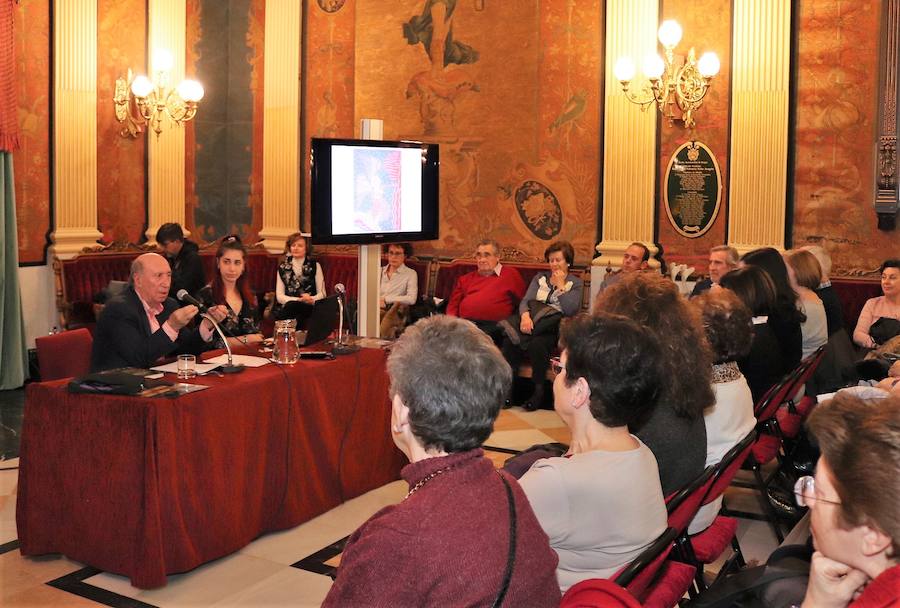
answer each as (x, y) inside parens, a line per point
(464, 534)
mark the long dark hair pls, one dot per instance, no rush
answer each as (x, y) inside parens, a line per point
(231, 243)
(786, 298)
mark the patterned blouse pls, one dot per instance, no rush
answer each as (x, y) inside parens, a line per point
(297, 284)
(240, 323)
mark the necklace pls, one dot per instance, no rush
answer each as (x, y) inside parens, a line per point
(428, 478)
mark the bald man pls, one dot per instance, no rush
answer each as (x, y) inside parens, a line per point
(143, 324)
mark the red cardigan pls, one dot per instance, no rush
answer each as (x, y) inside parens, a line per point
(447, 544)
(486, 297)
(883, 592)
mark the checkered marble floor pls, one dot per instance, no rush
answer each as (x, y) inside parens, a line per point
(288, 568)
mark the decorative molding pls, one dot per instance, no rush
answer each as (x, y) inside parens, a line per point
(886, 192)
(629, 144)
(760, 63)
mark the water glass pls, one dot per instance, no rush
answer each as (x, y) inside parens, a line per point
(187, 366)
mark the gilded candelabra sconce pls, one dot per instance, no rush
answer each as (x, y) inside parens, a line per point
(140, 101)
(674, 82)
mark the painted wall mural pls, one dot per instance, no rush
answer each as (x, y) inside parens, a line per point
(516, 114)
(31, 162)
(121, 162)
(224, 195)
(836, 124)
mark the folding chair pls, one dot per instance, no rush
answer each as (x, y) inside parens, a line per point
(653, 579)
(790, 418)
(708, 545)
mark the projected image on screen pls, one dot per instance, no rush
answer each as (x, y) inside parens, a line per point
(375, 189)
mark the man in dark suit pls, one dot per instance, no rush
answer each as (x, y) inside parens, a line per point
(722, 260)
(143, 324)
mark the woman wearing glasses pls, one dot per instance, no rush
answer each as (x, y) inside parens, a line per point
(854, 503)
(601, 503)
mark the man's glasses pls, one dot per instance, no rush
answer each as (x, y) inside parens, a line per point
(395, 253)
(805, 492)
(556, 365)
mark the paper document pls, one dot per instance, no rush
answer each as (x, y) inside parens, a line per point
(200, 368)
(245, 360)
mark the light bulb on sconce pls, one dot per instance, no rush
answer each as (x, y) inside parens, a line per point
(673, 81)
(141, 101)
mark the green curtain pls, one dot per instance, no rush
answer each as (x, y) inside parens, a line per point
(13, 353)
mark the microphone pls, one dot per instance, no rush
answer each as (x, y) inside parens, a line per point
(187, 298)
(340, 289)
(184, 296)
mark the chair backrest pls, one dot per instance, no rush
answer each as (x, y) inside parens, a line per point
(65, 354)
(808, 366)
(775, 396)
(597, 593)
(637, 576)
(683, 505)
(729, 466)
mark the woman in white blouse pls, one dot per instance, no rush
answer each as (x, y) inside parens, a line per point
(299, 278)
(880, 317)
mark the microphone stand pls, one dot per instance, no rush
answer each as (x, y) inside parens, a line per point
(340, 347)
(231, 368)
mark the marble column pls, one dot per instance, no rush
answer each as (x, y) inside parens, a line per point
(165, 157)
(629, 144)
(761, 51)
(281, 124)
(75, 132)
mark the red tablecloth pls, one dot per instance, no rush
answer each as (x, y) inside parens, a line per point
(150, 487)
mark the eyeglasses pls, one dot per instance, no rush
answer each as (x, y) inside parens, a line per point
(556, 365)
(395, 253)
(805, 492)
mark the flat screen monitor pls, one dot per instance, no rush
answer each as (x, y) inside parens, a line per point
(366, 192)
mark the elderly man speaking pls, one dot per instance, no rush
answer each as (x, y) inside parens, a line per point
(143, 324)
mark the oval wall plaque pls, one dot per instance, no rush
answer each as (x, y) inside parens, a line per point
(693, 189)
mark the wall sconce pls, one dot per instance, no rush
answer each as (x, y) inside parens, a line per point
(140, 101)
(676, 81)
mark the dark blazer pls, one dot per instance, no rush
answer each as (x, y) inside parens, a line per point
(123, 339)
(187, 270)
(701, 287)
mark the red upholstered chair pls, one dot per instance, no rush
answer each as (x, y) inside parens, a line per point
(708, 545)
(682, 506)
(598, 593)
(447, 273)
(340, 268)
(655, 580)
(65, 354)
(790, 419)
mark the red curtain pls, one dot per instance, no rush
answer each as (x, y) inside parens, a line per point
(9, 126)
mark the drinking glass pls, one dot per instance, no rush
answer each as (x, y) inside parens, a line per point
(187, 366)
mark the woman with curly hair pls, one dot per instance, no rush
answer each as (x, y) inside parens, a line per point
(675, 431)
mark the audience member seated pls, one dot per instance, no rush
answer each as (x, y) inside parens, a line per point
(766, 364)
(635, 258)
(299, 279)
(879, 320)
(448, 542)
(785, 316)
(675, 431)
(804, 276)
(601, 503)
(825, 291)
(729, 330)
(143, 324)
(722, 259)
(489, 294)
(184, 259)
(853, 501)
(552, 295)
(398, 288)
(229, 288)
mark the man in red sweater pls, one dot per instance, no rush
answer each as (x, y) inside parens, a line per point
(489, 294)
